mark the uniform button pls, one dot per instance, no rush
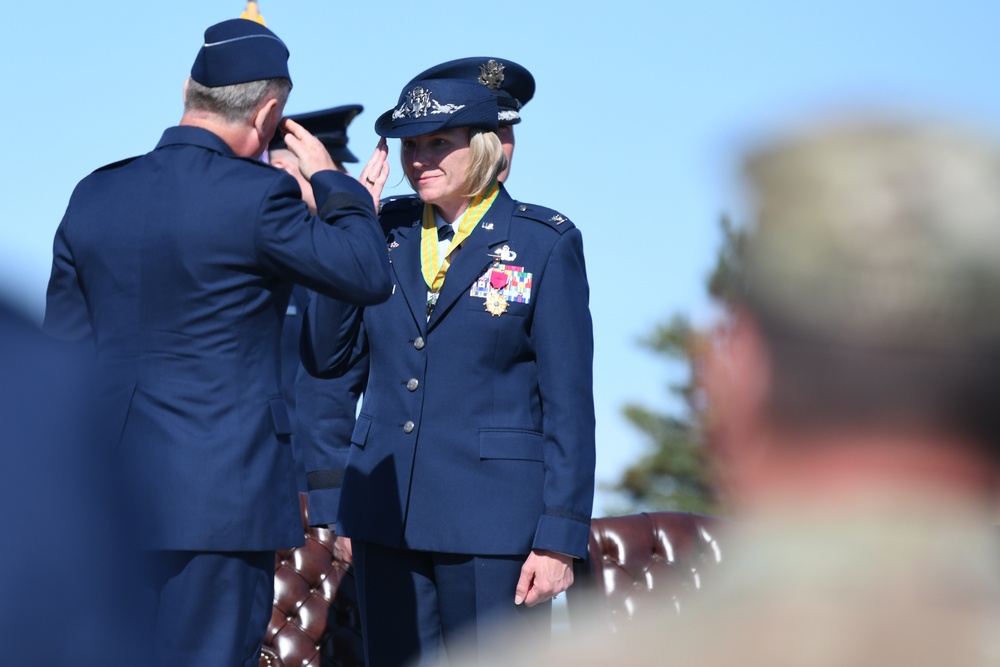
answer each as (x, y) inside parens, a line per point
(412, 384)
(419, 343)
(408, 427)
(522, 208)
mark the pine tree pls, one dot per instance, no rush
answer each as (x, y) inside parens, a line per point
(675, 473)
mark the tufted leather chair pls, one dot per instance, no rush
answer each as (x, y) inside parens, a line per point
(643, 560)
(315, 621)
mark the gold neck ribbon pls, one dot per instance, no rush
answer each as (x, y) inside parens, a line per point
(433, 267)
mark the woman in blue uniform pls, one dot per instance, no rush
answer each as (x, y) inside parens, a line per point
(469, 481)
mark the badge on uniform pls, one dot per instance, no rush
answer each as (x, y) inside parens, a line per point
(502, 283)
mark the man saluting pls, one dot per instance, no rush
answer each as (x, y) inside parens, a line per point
(178, 266)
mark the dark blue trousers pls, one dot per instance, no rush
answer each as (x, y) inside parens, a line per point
(210, 609)
(413, 603)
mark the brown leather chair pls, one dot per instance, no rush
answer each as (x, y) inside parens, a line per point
(638, 561)
(315, 621)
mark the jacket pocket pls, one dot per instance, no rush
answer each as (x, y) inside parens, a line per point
(510, 444)
(360, 435)
(279, 415)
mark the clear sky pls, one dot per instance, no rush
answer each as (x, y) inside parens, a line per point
(641, 112)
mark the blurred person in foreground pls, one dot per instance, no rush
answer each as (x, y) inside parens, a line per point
(67, 588)
(469, 475)
(177, 266)
(326, 408)
(853, 400)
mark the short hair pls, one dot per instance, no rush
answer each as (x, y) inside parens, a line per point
(486, 160)
(238, 102)
(819, 381)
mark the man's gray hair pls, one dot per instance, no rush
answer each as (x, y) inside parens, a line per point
(238, 102)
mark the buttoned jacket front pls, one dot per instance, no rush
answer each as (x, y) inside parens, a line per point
(476, 433)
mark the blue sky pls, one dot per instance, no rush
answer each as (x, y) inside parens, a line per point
(641, 113)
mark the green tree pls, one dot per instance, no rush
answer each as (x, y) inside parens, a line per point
(674, 474)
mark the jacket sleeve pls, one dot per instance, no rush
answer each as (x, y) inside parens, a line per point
(66, 313)
(325, 417)
(564, 346)
(339, 253)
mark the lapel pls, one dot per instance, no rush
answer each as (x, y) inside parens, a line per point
(474, 257)
(405, 262)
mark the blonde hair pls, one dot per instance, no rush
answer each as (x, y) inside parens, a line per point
(486, 160)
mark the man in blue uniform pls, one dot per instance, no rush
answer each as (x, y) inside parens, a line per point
(178, 265)
(328, 406)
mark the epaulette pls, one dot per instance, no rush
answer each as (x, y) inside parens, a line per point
(116, 165)
(548, 216)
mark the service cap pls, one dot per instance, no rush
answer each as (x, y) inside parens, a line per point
(430, 105)
(329, 126)
(238, 51)
(511, 83)
(879, 231)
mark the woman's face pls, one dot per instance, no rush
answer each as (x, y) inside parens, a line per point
(436, 166)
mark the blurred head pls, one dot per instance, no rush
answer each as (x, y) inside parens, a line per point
(871, 278)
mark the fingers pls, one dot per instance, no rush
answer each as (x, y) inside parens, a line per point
(543, 576)
(310, 151)
(376, 171)
(342, 550)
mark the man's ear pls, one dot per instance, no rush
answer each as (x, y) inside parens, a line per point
(735, 375)
(184, 95)
(266, 120)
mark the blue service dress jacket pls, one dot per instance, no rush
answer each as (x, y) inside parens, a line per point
(476, 434)
(178, 265)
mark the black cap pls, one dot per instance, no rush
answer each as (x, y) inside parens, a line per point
(512, 84)
(329, 126)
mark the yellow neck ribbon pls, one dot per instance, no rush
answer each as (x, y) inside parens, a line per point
(431, 265)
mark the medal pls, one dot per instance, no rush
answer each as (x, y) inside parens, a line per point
(496, 302)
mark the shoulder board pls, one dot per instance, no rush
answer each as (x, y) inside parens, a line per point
(547, 216)
(116, 165)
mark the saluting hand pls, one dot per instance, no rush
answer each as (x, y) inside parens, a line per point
(544, 575)
(309, 150)
(376, 172)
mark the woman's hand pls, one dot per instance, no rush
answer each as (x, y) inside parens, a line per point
(376, 172)
(544, 575)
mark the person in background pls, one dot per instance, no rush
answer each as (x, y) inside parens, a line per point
(326, 419)
(330, 127)
(469, 480)
(177, 266)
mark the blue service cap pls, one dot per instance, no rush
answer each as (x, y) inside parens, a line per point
(436, 104)
(511, 83)
(238, 51)
(327, 125)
